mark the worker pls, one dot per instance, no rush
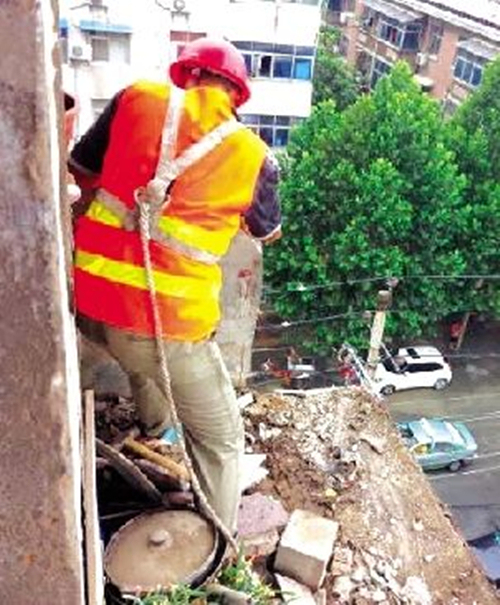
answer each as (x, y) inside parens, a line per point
(140, 135)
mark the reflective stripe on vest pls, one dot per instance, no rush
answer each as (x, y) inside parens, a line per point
(109, 210)
(133, 275)
(189, 236)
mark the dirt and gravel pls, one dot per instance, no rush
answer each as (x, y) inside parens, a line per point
(337, 453)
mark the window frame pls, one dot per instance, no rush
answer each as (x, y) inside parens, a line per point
(400, 33)
(436, 33)
(298, 56)
(274, 129)
(471, 66)
(99, 37)
(377, 61)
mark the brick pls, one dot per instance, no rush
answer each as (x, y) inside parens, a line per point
(294, 592)
(306, 547)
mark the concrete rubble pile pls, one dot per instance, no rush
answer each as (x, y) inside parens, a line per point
(364, 525)
(334, 509)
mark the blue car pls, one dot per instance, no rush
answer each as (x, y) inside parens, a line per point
(439, 444)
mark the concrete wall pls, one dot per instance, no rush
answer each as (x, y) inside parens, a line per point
(40, 536)
(240, 298)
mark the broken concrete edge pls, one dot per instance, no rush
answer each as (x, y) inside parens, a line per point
(306, 548)
(294, 592)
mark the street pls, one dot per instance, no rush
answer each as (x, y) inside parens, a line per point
(473, 493)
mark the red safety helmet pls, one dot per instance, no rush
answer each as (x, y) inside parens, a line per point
(218, 56)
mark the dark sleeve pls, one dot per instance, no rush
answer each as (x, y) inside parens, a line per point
(88, 154)
(264, 215)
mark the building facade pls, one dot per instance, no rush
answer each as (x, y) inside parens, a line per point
(107, 44)
(447, 43)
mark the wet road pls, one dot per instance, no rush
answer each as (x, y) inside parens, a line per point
(474, 398)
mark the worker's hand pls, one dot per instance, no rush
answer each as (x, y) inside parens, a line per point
(73, 191)
(272, 237)
(268, 239)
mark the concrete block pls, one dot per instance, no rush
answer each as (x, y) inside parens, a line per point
(306, 547)
(294, 592)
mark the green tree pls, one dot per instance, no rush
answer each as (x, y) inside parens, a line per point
(372, 191)
(333, 78)
(474, 133)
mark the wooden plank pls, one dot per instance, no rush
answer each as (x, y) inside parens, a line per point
(93, 548)
(178, 471)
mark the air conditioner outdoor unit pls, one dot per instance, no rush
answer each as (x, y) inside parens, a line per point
(180, 6)
(80, 52)
(345, 17)
(422, 59)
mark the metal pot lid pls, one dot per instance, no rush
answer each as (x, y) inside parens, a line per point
(156, 550)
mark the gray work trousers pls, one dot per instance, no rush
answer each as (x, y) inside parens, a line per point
(206, 405)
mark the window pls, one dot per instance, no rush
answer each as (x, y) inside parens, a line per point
(282, 67)
(443, 448)
(335, 6)
(274, 130)
(450, 105)
(468, 68)
(112, 47)
(380, 68)
(264, 69)
(435, 38)
(267, 60)
(119, 49)
(406, 37)
(388, 31)
(302, 68)
(341, 6)
(368, 18)
(248, 62)
(411, 37)
(100, 47)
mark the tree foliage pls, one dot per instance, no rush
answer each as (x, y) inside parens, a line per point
(375, 191)
(334, 79)
(474, 133)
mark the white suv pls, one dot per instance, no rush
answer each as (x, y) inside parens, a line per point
(412, 368)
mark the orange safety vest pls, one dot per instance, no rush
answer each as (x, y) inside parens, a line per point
(192, 232)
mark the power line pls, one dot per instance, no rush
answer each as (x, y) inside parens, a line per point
(285, 324)
(289, 324)
(347, 282)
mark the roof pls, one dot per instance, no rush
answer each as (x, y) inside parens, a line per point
(478, 48)
(437, 431)
(392, 11)
(481, 17)
(421, 351)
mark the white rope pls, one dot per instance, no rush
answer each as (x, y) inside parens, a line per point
(145, 234)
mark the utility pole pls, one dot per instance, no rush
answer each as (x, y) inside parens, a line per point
(384, 298)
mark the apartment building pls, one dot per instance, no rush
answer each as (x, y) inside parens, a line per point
(109, 43)
(446, 42)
